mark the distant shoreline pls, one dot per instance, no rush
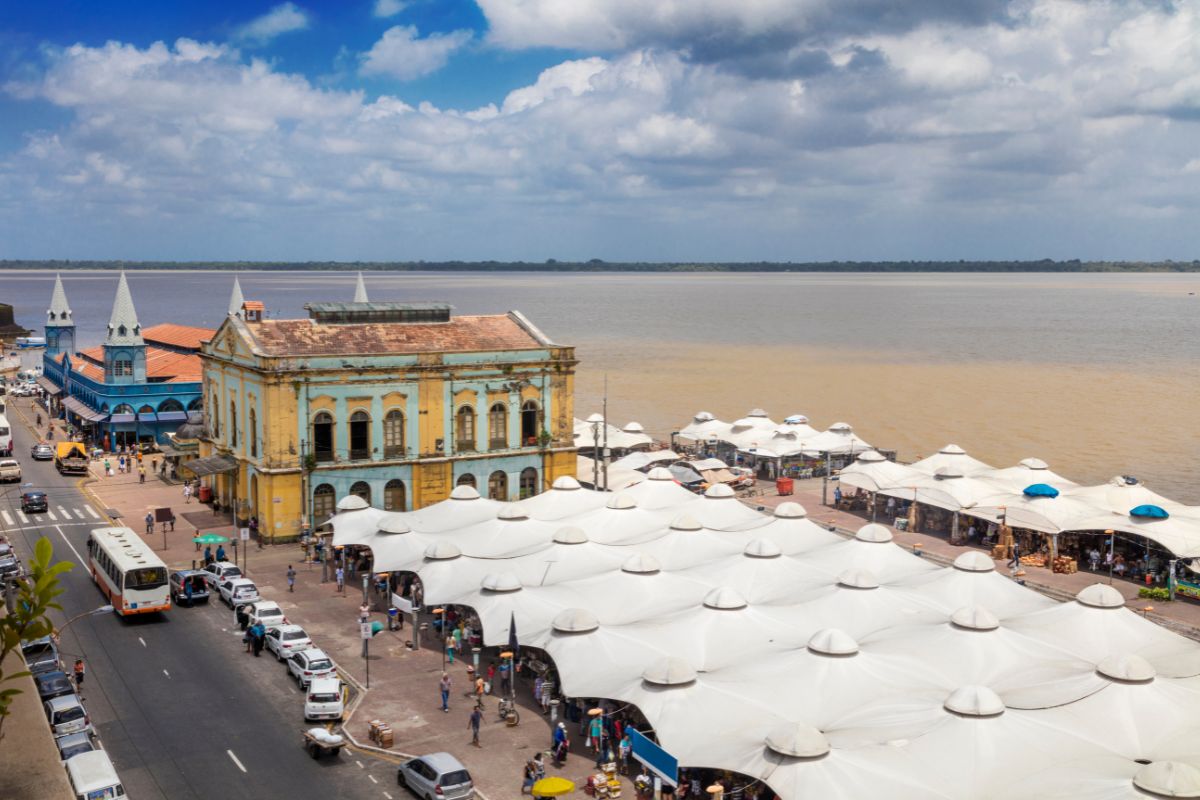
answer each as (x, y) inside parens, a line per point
(595, 265)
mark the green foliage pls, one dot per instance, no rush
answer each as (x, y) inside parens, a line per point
(310, 462)
(35, 596)
(544, 438)
(1154, 593)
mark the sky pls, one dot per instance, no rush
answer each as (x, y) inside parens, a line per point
(624, 130)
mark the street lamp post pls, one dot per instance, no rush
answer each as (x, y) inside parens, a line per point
(101, 610)
(441, 633)
(1112, 555)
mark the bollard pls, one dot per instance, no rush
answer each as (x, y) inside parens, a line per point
(475, 656)
(553, 712)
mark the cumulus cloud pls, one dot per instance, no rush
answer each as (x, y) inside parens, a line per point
(916, 141)
(402, 54)
(283, 18)
(388, 8)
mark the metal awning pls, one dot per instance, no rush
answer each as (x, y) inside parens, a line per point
(173, 452)
(172, 416)
(78, 407)
(48, 385)
(210, 465)
(149, 416)
(122, 418)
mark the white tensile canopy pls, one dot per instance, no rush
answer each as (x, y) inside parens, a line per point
(618, 477)
(1026, 473)
(874, 473)
(644, 458)
(822, 666)
(954, 457)
(839, 439)
(631, 436)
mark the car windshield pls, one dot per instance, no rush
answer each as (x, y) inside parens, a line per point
(231, 572)
(320, 663)
(68, 715)
(76, 749)
(322, 698)
(54, 681)
(455, 778)
(146, 578)
(39, 649)
(291, 636)
(271, 612)
(242, 591)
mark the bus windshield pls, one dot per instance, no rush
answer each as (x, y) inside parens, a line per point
(146, 578)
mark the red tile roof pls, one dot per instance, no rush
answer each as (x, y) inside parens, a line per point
(177, 335)
(299, 337)
(165, 365)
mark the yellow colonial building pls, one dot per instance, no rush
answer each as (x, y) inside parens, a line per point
(397, 403)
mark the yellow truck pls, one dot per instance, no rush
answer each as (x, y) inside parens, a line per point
(71, 458)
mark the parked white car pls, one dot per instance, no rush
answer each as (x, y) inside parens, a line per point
(287, 640)
(219, 571)
(267, 612)
(67, 715)
(323, 700)
(238, 591)
(10, 470)
(310, 665)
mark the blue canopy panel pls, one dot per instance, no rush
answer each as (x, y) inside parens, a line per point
(1149, 512)
(1040, 490)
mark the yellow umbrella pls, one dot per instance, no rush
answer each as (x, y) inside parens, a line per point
(553, 786)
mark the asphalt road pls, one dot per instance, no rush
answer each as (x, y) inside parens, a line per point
(182, 710)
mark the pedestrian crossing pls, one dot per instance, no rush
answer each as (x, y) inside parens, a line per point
(58, 514)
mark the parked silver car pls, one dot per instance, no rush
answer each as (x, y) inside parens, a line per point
(436, 776)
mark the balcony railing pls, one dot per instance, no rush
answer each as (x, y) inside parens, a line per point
(464, 445)
(497, 444)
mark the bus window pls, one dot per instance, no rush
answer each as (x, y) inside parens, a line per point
(146, 578)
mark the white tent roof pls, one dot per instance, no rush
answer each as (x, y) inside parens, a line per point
(618, 477)
(872, 472)
(900, 678)
(839, 439)
(644, 458)
(632, 435)
(1028, 472)
(954, 457)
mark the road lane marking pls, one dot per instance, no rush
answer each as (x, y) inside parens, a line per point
(360, 765)
(90, 511)
(235, 760)
(24, 519)
(166, 673)
(50, 514)
(64, 512)
(372, 777)
(81, 561)
(8, 520)
(143, 641)
(79, 514)
(388, 796)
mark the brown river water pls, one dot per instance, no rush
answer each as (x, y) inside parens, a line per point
(1097, 374)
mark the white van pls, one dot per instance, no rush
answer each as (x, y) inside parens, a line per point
(93, 777)
(324, 699)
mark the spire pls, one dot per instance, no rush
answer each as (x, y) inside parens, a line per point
(360, 291)
(236, 299)
(59, 312)
(123, 327)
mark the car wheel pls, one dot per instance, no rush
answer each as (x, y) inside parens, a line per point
(400, 778)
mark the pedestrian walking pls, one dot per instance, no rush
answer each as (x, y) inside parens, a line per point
(364, 612)
(450, 649)
(291, 578)
(527, 776)
(258, 630)
(187, 592)
(108, 468)
(187, 492)
(341, 579)
(444, 685)
(149, 522)
(141, 473)
(79, 673)
(623, 751)
(473, 724)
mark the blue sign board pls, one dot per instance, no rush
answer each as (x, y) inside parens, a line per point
(657, 760)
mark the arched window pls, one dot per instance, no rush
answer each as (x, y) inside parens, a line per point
(498, 427)
(123, 408)
(145, 410)
(498, 485)
(393, 434)
(171, 404)
(395, 496)
(322, 436)
(531, 418)
(529, 482)
(252, 433)
(363, 490)
(360, 434)
(466, 479)
(233, 430)
(323, 503)
(464, 429)
(195, 405)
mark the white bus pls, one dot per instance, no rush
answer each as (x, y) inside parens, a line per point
(6, 444)
(128, 572)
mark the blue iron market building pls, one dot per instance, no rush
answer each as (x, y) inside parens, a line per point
(136, 387)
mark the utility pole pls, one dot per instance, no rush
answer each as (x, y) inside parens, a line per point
(604, 452)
